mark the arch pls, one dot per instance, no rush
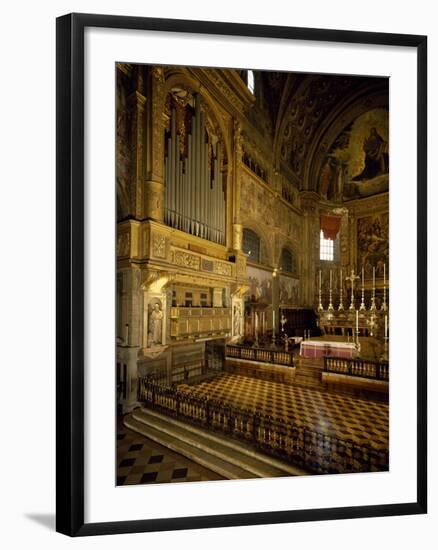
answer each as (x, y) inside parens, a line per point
(251, 244)
(310, 106)
(365, 100)
(181, 79)
(266, 246)
(287, 261)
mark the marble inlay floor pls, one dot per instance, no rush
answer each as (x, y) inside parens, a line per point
(141, 460)
(348, 418)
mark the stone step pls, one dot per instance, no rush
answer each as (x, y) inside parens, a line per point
(226, 456)
(310, 374)
(234, 444)
(223, 468)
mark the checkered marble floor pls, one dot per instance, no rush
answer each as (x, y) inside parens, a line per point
(345, 417)
(141, 460)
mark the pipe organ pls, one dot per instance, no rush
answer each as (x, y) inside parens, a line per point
(195, 200)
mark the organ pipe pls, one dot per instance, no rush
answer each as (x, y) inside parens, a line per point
(194, 198)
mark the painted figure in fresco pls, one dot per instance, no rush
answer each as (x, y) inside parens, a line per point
(373, 244)
(327, 177)
(376, 156)
(380, 268)
(156, 324)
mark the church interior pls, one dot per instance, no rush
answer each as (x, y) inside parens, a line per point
(252, 274)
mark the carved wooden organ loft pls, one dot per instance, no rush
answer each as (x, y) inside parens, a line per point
(195, 200)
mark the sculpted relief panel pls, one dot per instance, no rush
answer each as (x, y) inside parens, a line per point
(159, 245)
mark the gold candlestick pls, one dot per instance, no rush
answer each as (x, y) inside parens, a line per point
(362, 303)
(373, 297)
(357, 331)
(384, 306)
(320, 308)
(385, 355)
(330, 306)
(341, 289)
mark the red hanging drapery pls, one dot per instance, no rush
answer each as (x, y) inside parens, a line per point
(330, 226)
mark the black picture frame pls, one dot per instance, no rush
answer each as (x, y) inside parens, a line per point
(70, 273)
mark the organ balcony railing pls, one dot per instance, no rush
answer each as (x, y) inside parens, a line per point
(195, 322)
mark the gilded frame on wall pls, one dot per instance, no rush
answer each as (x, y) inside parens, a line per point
(71, 239)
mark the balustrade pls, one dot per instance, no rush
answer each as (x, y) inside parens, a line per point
(276, 357)
(363, 368)
(314, 451)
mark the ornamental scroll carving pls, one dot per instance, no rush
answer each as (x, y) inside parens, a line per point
(222, 269)
(158, 97)
(159, 245)
(123, 244)
(241, 267)
(184, 259)
(225, 90)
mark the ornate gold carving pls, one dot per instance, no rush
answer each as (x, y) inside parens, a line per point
(227, 92)
(123, 244)
(207, 265)
(159, 245)
(184, 259)
(222, 269)
(241, 267)
(157, 110)
(154, 199)
(237, 236)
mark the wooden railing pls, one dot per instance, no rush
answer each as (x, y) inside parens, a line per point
(276, 357)
(363, 368)
(313, 451)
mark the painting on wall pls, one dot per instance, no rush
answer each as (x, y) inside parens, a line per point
(289, 291)
(260, 285)
(373, 244)
(357, 164)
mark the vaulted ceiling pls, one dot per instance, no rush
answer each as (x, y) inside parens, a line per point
(309, 112)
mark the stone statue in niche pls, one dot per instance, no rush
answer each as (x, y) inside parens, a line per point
(156, 324)
(236, 318)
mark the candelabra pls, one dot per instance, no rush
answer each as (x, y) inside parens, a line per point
(352, 278)
(283, 321)
(371, 322)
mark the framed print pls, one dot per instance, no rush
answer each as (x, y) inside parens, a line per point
(241, 274)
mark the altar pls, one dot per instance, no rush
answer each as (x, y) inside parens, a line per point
(328, 346)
